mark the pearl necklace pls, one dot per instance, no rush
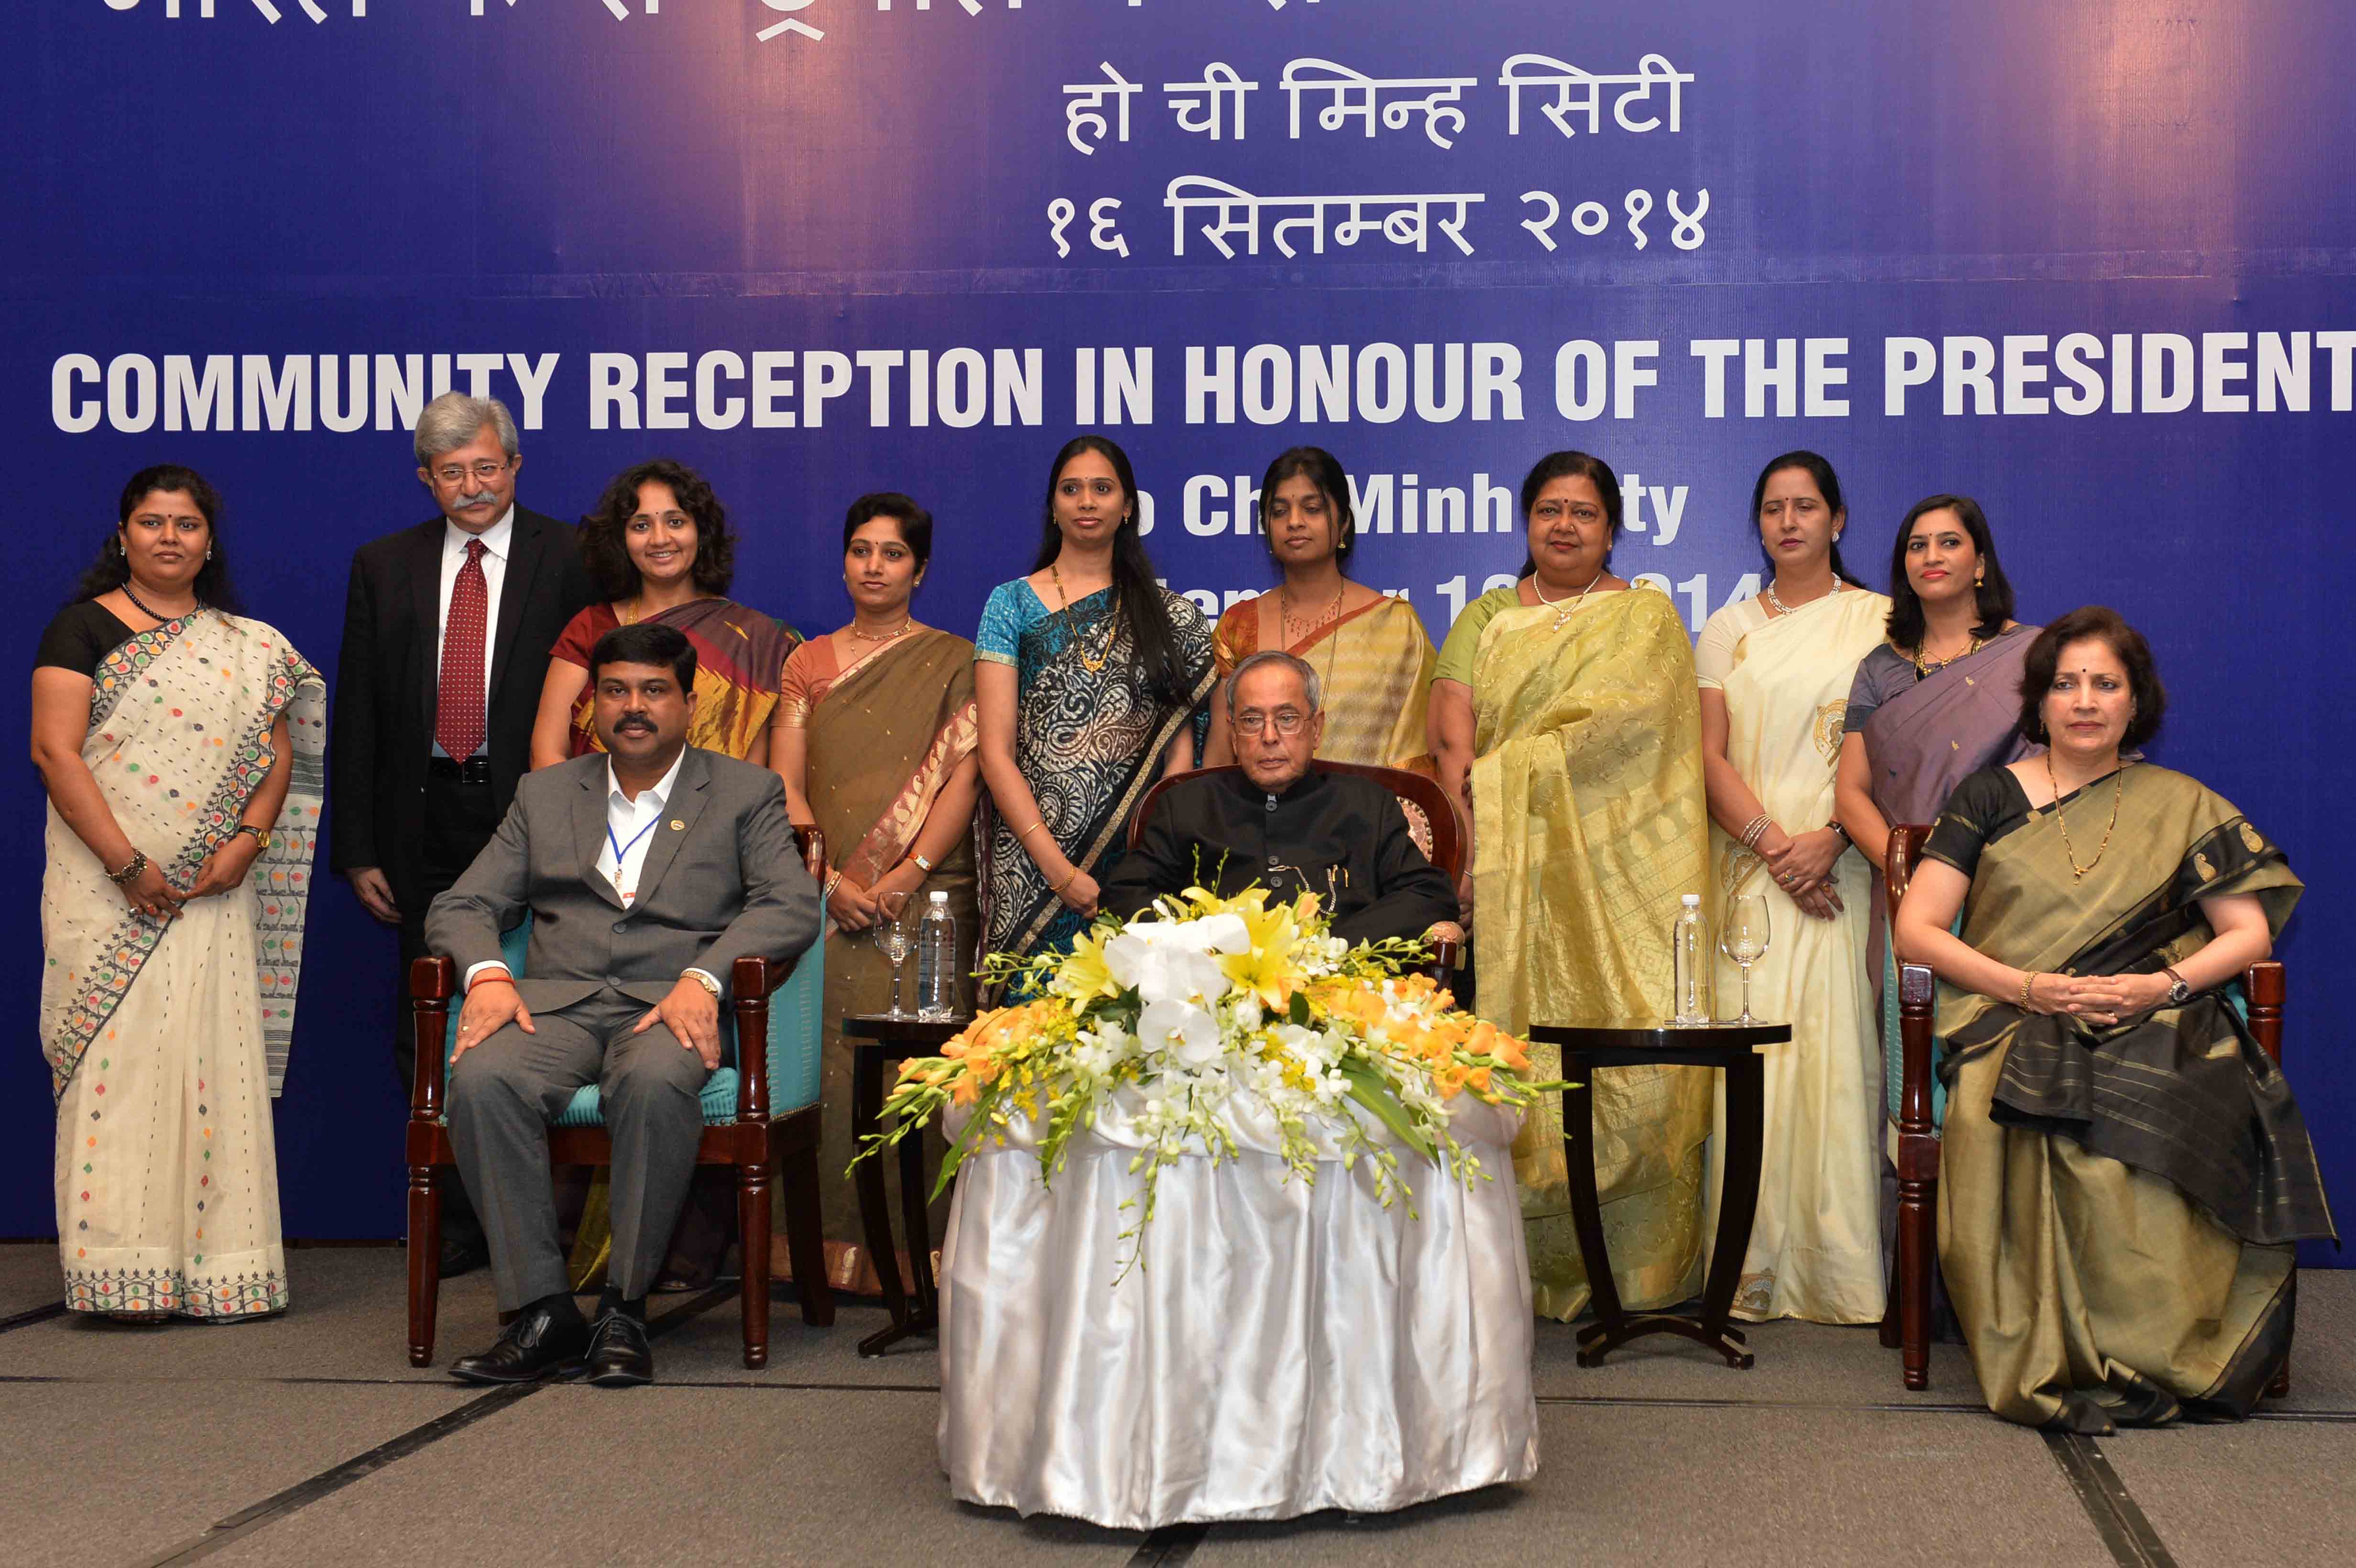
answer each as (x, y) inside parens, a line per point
(1784, 609)
(1570, 602)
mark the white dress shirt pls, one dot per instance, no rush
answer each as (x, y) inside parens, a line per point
(630, 827)
(496, 538)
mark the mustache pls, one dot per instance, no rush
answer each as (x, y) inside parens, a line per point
(634, 721)
(480, 500)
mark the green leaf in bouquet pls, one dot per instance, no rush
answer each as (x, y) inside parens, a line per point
(1298, 1013)
(1369, 1089)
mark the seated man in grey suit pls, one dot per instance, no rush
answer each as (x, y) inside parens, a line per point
(647, 871)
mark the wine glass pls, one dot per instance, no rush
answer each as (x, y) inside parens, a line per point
(1742, 936)
(893, 937)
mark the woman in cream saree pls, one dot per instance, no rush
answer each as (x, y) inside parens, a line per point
(1776, 671)
(1588, 827)
(167, 1024)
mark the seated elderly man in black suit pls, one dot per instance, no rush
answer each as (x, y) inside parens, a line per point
(648, 869)
(1287, 824)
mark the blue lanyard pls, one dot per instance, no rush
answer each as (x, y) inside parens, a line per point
(621, 850)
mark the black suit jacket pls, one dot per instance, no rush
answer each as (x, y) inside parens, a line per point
(386, 680)
(1336, 835)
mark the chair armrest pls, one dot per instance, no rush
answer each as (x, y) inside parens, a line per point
(2265, 985)
(1443, 960)
(754, 979)
(432, 983)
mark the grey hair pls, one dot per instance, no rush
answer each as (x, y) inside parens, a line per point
(451, 420)
(1299, 667)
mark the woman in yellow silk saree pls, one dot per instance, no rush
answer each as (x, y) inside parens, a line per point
(1373, 659)
(1566, 705)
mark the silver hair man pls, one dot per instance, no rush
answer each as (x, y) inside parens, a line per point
(452, 419)
(1267, 656)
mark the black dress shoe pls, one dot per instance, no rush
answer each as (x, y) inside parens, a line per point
(463, 1254)
(532, 1346)
(619, 1356)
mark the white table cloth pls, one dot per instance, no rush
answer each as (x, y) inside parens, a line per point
(1280, 1349)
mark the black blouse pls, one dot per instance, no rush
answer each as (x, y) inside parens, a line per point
(80, 637)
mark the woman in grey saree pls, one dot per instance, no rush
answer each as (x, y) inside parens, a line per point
(1937, 703)
(2124, 1172)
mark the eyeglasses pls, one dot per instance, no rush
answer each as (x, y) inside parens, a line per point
(485, 471)
(1284, 722)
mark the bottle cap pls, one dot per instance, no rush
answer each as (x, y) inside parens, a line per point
(939, 897)
(1693, 900)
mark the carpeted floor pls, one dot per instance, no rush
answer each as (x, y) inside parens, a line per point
(309, 1439)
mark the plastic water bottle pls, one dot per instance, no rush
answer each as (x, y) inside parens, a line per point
(1687, 948)
(936, 989)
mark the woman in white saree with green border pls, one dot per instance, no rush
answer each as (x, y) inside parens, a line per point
(183, 768)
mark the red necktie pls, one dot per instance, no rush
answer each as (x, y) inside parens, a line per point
(459, 714)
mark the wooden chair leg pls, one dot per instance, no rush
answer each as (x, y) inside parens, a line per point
(1891, 1336)
(806, 1232)
(424, 1261)
(752, 1222)
(1916, 1216)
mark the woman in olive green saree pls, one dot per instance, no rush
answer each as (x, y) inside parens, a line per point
(2124, 1170)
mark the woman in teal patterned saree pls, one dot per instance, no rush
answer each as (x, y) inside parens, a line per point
(1092, 681)
(180, 745)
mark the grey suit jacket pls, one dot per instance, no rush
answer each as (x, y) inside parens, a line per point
(721, 881)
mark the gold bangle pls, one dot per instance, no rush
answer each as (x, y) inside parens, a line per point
(922, 864)
(2028, 981)
(1030, 830)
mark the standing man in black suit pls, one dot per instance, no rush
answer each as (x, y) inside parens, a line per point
(446, 631)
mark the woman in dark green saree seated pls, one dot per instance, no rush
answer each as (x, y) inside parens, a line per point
(2124, 1172)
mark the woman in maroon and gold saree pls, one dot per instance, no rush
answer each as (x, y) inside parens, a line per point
(874, 737)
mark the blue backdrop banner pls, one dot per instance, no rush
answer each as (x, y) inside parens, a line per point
(2092, 265)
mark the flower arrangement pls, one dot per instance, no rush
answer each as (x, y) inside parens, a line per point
(1206, 1010)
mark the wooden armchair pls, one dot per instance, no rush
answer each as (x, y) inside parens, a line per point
(1907, 1326)
(759, 1114)
(1432, 818)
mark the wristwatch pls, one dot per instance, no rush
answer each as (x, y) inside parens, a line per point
(702, 979)
(2177, 992)
(261, 835)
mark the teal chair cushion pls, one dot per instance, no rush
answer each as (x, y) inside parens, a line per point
(794, 1034)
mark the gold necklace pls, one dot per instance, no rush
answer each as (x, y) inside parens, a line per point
(882, 636)
(2117, 795)
(1079, 641)
(1923, 665)
(1333, 614)
(1570, 602)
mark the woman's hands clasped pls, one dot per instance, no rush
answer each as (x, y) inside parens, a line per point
(1802, 864)
(2099, 999)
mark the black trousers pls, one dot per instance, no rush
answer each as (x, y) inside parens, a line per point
(459, 819)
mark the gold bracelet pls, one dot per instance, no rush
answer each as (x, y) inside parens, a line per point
(922, 864)
(2028, 1002)
(1030, 830)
